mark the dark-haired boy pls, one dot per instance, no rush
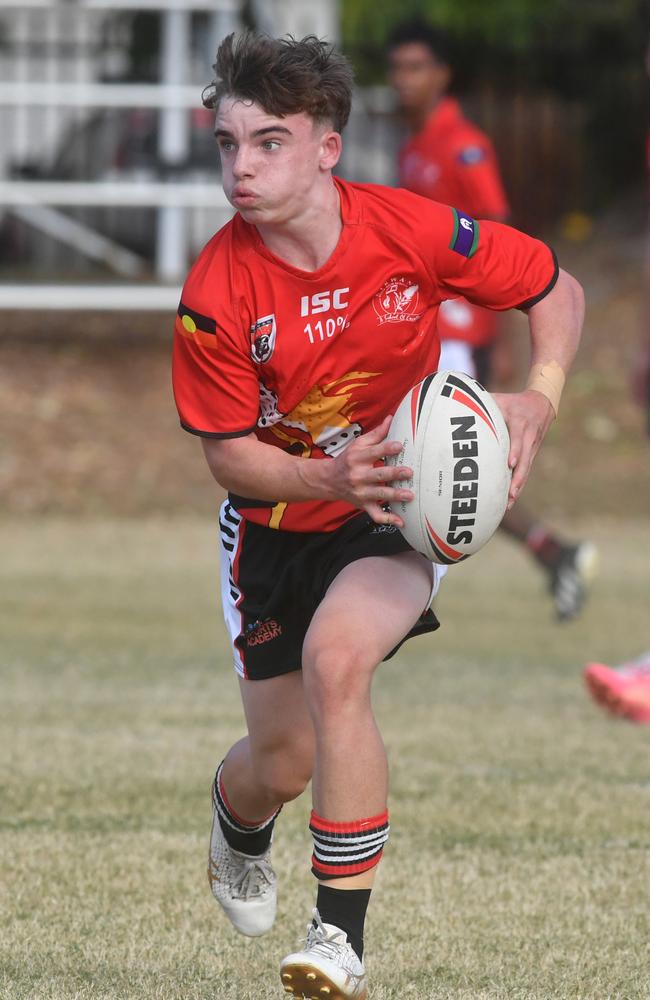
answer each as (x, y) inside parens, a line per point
(294, 343)
(447, 158)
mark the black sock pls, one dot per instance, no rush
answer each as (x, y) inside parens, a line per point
(345, 908)
(241, 835)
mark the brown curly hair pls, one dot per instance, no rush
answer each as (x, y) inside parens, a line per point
(284, 76)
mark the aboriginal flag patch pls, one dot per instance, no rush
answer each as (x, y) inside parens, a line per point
(193, 321)
(464, 239)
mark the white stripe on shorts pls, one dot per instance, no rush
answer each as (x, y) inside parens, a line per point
(231, 596)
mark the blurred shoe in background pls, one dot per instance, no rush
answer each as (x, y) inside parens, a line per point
(622, 690)
(571, 573)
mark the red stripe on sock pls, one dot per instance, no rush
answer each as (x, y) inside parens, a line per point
(341, 871)
(236, 816)
(356, 826)
(536, 538)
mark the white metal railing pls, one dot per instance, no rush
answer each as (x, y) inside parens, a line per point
(50, 87)
(125, 194)
(217, 6)
(103, 95)
(127, 298)
(52, 90)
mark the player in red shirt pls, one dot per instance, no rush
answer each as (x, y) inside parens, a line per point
(301, 325)
(450, 160)
(625, 690)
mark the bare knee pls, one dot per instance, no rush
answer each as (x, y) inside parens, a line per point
(285, 768)
(337, 680)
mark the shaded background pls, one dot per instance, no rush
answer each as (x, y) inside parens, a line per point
(559, 85)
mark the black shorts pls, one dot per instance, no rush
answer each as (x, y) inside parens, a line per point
(273, 581)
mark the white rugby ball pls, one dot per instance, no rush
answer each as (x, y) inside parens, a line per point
(455, 440)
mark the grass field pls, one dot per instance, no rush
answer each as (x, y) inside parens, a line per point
(519, 860)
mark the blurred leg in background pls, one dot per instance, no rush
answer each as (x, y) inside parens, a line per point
(569, 566)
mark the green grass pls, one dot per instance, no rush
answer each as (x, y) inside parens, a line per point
(519, 858)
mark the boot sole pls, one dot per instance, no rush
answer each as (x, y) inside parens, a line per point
(305, 982)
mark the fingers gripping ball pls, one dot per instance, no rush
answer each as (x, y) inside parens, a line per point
(456, 441)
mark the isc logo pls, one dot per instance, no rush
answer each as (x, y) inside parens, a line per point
(320, 302)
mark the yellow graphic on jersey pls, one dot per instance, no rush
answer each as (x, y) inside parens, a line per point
(326, 414)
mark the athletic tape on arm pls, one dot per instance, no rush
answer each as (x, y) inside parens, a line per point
(548, 379)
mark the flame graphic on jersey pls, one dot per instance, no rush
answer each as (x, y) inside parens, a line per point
(325, 414)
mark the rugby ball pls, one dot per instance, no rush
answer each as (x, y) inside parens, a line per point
(455, 440)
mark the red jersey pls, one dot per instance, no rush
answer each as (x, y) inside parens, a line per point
(308, 360)
(453, 161)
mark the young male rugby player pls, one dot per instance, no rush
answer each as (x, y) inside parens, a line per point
(302, 324)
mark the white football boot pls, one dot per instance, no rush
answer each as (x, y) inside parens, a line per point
(327, 969)
(570, 578)
(244, 885)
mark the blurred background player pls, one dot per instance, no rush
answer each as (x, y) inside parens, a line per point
(641, 371)
(622, 690)
(449, 159)
(625, 690)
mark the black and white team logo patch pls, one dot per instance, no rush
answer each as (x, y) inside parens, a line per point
(263, 333)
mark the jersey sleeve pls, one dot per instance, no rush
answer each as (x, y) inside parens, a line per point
(215, 383)
(489, 263)
(494, 265)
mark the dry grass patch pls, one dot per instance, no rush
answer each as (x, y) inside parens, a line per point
(519, 856)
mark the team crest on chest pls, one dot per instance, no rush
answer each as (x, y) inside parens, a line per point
(397, 301)
(263, 333)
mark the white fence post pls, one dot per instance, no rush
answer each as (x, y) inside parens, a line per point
(173, 143)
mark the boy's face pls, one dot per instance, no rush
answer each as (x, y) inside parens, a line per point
(416, 76)
(271, 166)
